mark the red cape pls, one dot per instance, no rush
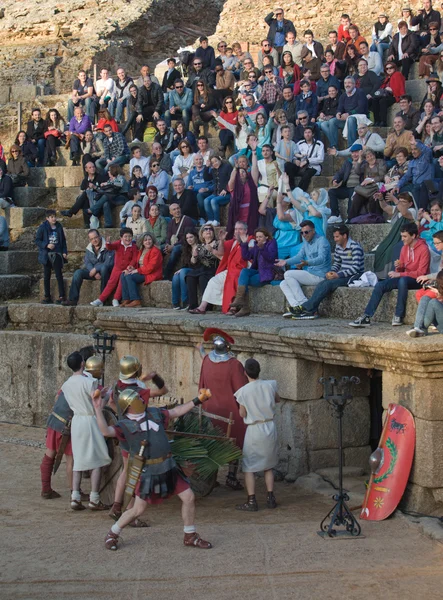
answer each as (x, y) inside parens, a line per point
(232, 261)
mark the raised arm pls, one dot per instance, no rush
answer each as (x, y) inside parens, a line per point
(105, 429)
(183, 409)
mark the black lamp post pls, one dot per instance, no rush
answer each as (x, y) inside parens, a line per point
(338, 394)
(104, 344)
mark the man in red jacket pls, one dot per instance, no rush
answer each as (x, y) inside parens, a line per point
(125, 255)
(414, 261)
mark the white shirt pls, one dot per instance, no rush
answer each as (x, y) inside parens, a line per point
(108, 85)
(142, 162)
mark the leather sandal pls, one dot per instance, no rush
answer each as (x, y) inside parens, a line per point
(50, 495)
(233, 483)
(111, 541)
(98, 506)
(193, 539)
(197, 311)
(77, 505)
(248, 506)
(139, 523)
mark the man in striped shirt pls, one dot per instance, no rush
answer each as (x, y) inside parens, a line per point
(348, 264)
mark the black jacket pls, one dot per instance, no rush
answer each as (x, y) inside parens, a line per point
(35, 134)
(205, 74)
(423, 19)
(42, 241)
(157, 99)
(343, 173)
(409, 45)
(369, 83)
(221, 177)
(188, 204)
(411, 118)
(6, 186)
(98, 179)
(168, 80)
(290, 110)
(287, 26)
(207, 56)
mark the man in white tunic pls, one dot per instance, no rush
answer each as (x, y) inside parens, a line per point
(88, 444)
(257, 401)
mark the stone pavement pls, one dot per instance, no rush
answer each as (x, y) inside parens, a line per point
(50, 552)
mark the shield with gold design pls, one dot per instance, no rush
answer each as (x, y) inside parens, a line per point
(390, 465)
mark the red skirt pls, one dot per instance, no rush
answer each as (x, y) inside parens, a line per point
(180, 486)
(53, 440)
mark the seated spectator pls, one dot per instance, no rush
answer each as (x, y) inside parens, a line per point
(219, 195)
(263, 129)
(303, 122)
(134, 200)
(206, 54)
(425, 17)
(253, 108)
(181, 133)
(82, 95)
(403, 49)
(369, 140)
(283, 222)
(224, 82)
(241, 131)
(200, 182)
(329, 108)
(248, 86)
(363, 200)
(433, 92)
(161, 157)
(430, 221)
(344, 181)
(407, 15)
(175, 236)
(399, 211)
(335, 68)
(164, 135)
(156, 224)
(312, 63)
(204, 149)
(267, 50)
(114, 192)
(398, 169)
(348, 264)
(413, 262)
(90, 189)
(186, 199)
(390, 92)
(227, 61)
(244, 198)
(398, 138)
(198, 73)
(122, 95)
(28, 149)
(410, 115)
(279, 28)
(150, 103)
(18, 169)
(279, 118)
(420, 169)
(136, 223)
(184, 162)
(105, 90)
(98, 263)
(336, 46)
(180, 104)
(160, 180)
(381, 35)
(262, 254)
(438, 67)
(104, 118)
(367, 80)
(139, 160)
(287, 103)
(324, 83)
(313, 207)
(351, 59)
(248, 68)
(355, 39)
(308, 160)
(433, 315)
(311, 263)
(137, 127)
(203, 105)
(271, 90)
(429, 41)
(203, 265)
(145, 71)
(54, 135)
(179, 287)
(424, 128)
(138, 181)
(78, 126)
(240, 57)
(125, 258)
(4, 235)
(289, 71)
(285, 149)
(293, 46)
(228, 114)
(267, 173)
(52, 253)
(35, 132)
(6, 189)
(428, 292)
(116, 151)
(307, 101)
(170, 77)
(352, 102)
(148, 268)
(305, 75)
(91, 147)
(343, 29)
(222, 288)
(315, 48)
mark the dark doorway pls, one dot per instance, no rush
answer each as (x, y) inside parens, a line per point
(376, 407)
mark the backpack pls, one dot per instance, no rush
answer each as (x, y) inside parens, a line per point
(149, 135)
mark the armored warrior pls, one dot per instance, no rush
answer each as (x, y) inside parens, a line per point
(154, 475)
(224, 375)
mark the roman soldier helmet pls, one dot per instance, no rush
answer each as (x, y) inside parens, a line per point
(127, 398)
(130, 367)
(222, 341)
(94, 366)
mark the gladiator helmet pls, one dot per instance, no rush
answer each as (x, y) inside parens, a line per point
(94, 366)
(127, 398)
(130, 367)
(222, 341)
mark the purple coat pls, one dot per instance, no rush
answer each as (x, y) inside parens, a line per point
(76, 127)
(262, 259)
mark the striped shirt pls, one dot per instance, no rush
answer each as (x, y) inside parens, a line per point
(350, 260)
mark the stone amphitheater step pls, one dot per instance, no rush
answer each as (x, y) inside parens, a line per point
(344, 303)
(19, 218)
(16, 262)
(13, 287)
(26, 197)
(55, 177)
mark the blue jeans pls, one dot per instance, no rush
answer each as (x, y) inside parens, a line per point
(323, 289)
(212, 205)
(201, 203)
(174, 257)
(103, 165)
(179, 288)
(179, 115)
(89, 105)
(402, 284)
(130, 285)
(118, 107)
(105, 203)
(250, 277)
(41, 143)
(421, 311)
(331, 127)
(380, 48)
(434, 315)
(81, 275)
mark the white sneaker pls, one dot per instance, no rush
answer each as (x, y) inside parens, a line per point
(415, 332)
(216, 223)
(333, 219)
(201, 222)
(115, 303)
(97, 302)
(136, 141)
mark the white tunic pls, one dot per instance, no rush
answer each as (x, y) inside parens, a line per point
(88, 444)
(260, 448)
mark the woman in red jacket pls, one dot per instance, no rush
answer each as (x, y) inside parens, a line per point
(104, 118)
(392, 87)
(149, 268)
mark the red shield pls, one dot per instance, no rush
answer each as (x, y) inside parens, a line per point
(392, 462)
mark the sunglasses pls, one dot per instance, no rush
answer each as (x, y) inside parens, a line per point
(433, 29)
(278, 14)
(229, 102)
(306, 231)
(303, 118)
(208, 229)
(200, 85)
(14, 151)
(390, 68)
(222, 46)
(252, 76)
(197, 64)
(179, 87)
(155, 165)
(268, 71)
(265, 45)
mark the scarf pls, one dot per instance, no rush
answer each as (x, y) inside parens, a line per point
(153, 220)
(237, 200)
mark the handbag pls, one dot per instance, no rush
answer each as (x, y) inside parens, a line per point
(54, 132)
(367, 191)
(174, 236)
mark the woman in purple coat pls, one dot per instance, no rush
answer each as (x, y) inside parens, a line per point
(262, 254)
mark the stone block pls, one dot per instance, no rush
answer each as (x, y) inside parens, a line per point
(438, 495)
(72, 176)
(291, 421)
(19, 261)
(14, 286)
(420, 396)
(18, 218)
(33, 196)
(50, 177)
(77, 239)
(297, 380)
(5, 92)
(357, 457)
(23, 93)
(52, 315)
(337, 371)
(3, 317)
(268, 299)
(419, 499)
(322, 427)
(368, 236)
(320, 459)
(427, 469)
(417, 89)
(66, 197)
(160, 294)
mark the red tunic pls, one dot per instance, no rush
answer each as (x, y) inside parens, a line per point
(53, 440)
(233, 262)
(224, 379)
